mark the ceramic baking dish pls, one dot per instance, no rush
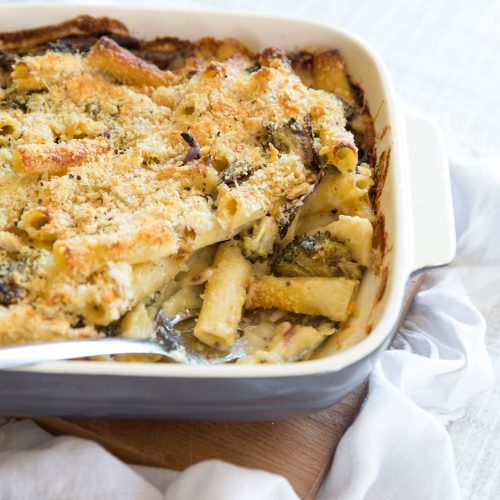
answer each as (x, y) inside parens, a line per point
(415, 201)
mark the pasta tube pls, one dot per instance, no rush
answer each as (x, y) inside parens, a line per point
(330, 75)
(55, 159)
(329, 297)
(84, 254)
(126, 67)
(224, 298)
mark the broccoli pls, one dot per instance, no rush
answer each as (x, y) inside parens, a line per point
(11, 289)
(294, 137)
(316, 255)
(259, 241)
(238, 171)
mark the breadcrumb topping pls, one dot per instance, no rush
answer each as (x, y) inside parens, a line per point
(95, 161)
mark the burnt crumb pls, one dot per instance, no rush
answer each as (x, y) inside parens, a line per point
(164, 60)
(239, 170)
(68, 45)
(111, 330)
(126, 41)
(189, 138)
(168, 53)
(83, 43)
(60, 46)
(301, 58)
(194, 151)
(10, 291)
(6, 60)
(254, 67)
(271, 53)
(80, 323)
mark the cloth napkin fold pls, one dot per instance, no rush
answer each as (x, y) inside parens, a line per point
(398, 447)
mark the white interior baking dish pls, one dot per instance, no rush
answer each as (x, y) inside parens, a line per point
(415, 201)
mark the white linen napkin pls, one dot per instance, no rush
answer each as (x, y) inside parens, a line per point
(398, 447)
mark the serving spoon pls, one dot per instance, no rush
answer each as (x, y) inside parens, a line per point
(174, 345)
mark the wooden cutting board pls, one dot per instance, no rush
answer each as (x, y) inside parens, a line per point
(300, 449)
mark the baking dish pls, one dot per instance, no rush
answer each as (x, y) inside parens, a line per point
(415, 201)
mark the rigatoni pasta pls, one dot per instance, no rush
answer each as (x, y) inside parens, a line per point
(195, 186)
(56, 159)
(316, 296)
(109, 57)
(224, 297)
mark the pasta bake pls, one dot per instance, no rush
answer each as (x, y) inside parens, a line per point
(143, 181)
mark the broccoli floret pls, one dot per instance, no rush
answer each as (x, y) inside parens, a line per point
(259, 241)
(316, 255)
(294, 137)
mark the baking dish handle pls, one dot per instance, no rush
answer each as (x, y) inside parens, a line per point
(433, 224)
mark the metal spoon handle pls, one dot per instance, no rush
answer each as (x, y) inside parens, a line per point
(28, 354)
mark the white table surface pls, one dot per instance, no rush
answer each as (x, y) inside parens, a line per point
(444, 58)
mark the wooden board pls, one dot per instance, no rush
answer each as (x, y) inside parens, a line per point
(300, 449)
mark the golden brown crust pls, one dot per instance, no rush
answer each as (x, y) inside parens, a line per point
(122, 64)
(23, 40)
(330, 75)
(54, 159)
(154, 239)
